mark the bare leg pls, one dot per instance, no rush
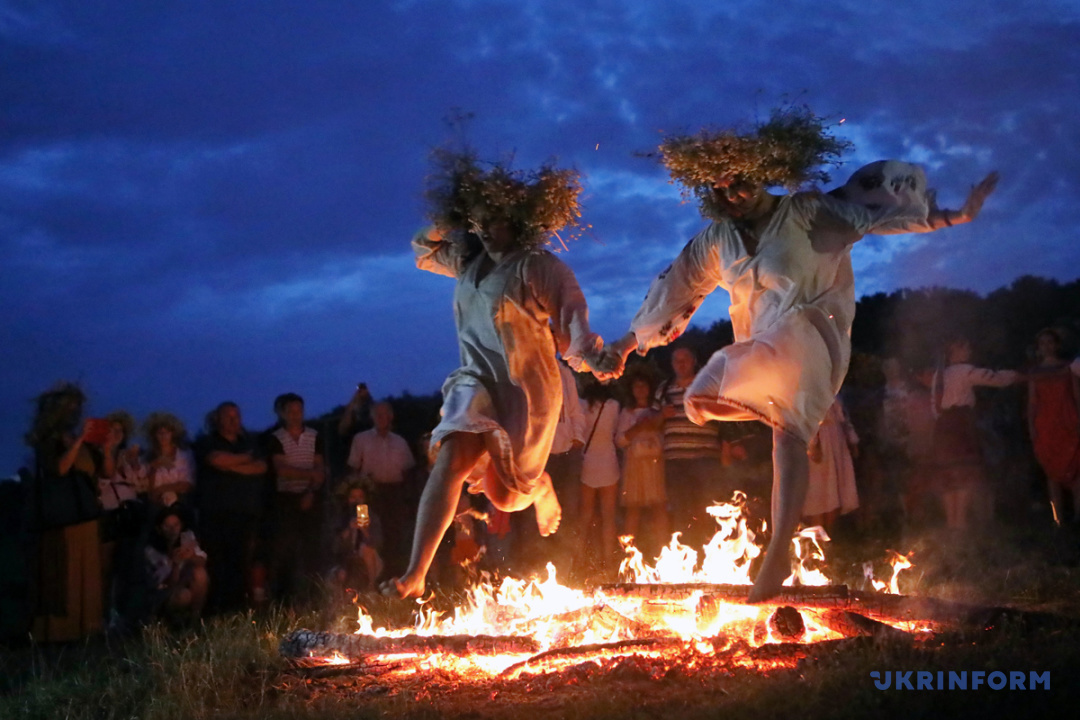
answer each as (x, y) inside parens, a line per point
(633, 513)
(700, 409)
(588, 507)
(373, 564)
(200, 587)
(458, 455)
(658, 520)
(609, 540)
(542, 499)
(791, 476)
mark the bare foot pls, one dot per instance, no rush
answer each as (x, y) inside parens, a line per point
(770, 579)
(548, 510)
(402, 587)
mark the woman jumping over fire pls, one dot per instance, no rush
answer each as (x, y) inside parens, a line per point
(786, 262)
(515, 305)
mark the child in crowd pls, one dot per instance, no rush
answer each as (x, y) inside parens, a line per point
(176, 569)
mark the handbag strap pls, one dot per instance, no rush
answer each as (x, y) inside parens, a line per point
(593, 431)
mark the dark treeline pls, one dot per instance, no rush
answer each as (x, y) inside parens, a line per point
(911, 325)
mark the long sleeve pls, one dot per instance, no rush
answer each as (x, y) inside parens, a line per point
(993, 378)
(556, 290)
(678, 291)
(893, 220)
(961, 379)
(436, 254)
(571, 406)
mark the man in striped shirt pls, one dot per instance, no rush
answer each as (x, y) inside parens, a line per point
(691, 454)
(296, 456)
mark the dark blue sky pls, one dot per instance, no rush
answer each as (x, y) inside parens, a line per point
(205, 200)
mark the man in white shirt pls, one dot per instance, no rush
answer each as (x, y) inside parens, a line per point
(384, 458)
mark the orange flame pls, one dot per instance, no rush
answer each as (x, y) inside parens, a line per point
(557, 616)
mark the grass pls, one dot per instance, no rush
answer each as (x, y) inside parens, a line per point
(230, 668)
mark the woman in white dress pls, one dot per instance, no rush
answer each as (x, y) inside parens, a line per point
(786, 263)
(515, 305)
(600, 467)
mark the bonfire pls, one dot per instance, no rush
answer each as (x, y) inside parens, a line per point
(683, 608)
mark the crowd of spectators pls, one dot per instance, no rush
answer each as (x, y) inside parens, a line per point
(233, 518)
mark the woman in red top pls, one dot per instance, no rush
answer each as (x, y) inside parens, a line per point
(1054, 421)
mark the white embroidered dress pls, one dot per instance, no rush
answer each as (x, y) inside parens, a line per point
(792, 305)
(508, 386)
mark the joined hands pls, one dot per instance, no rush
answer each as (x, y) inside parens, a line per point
(612, 361)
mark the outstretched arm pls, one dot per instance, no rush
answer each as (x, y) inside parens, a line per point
(677, 292)
(938, 218)
(556, 289)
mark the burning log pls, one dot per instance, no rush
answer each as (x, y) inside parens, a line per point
(568, 652)
(597, 618)
(852, 624)
(309, 643)
(675, 592)
(787, 623)
(321, 671)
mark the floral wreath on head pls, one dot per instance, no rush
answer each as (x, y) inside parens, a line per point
(125, 420)
(788, 150)
(158, 420)
(462, 194)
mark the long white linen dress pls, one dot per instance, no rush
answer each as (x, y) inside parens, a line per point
(792, 305)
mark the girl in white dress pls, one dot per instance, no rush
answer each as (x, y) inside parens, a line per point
(641, 436)
(600, 467)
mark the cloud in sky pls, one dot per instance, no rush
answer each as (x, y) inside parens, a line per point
(202, 200)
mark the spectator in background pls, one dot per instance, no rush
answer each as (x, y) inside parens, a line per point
(66, 584)
(176, 569)
(170, 468)
(1054, 424)
(691, 454)
(384, 457)
(893, 435)
(957, 450)
(122, 478)
(355, 417)
(296, 457)
(600, 469)
(920, 481)
(231, 485)
(356, 562)
(831, 491)
(640, 435)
